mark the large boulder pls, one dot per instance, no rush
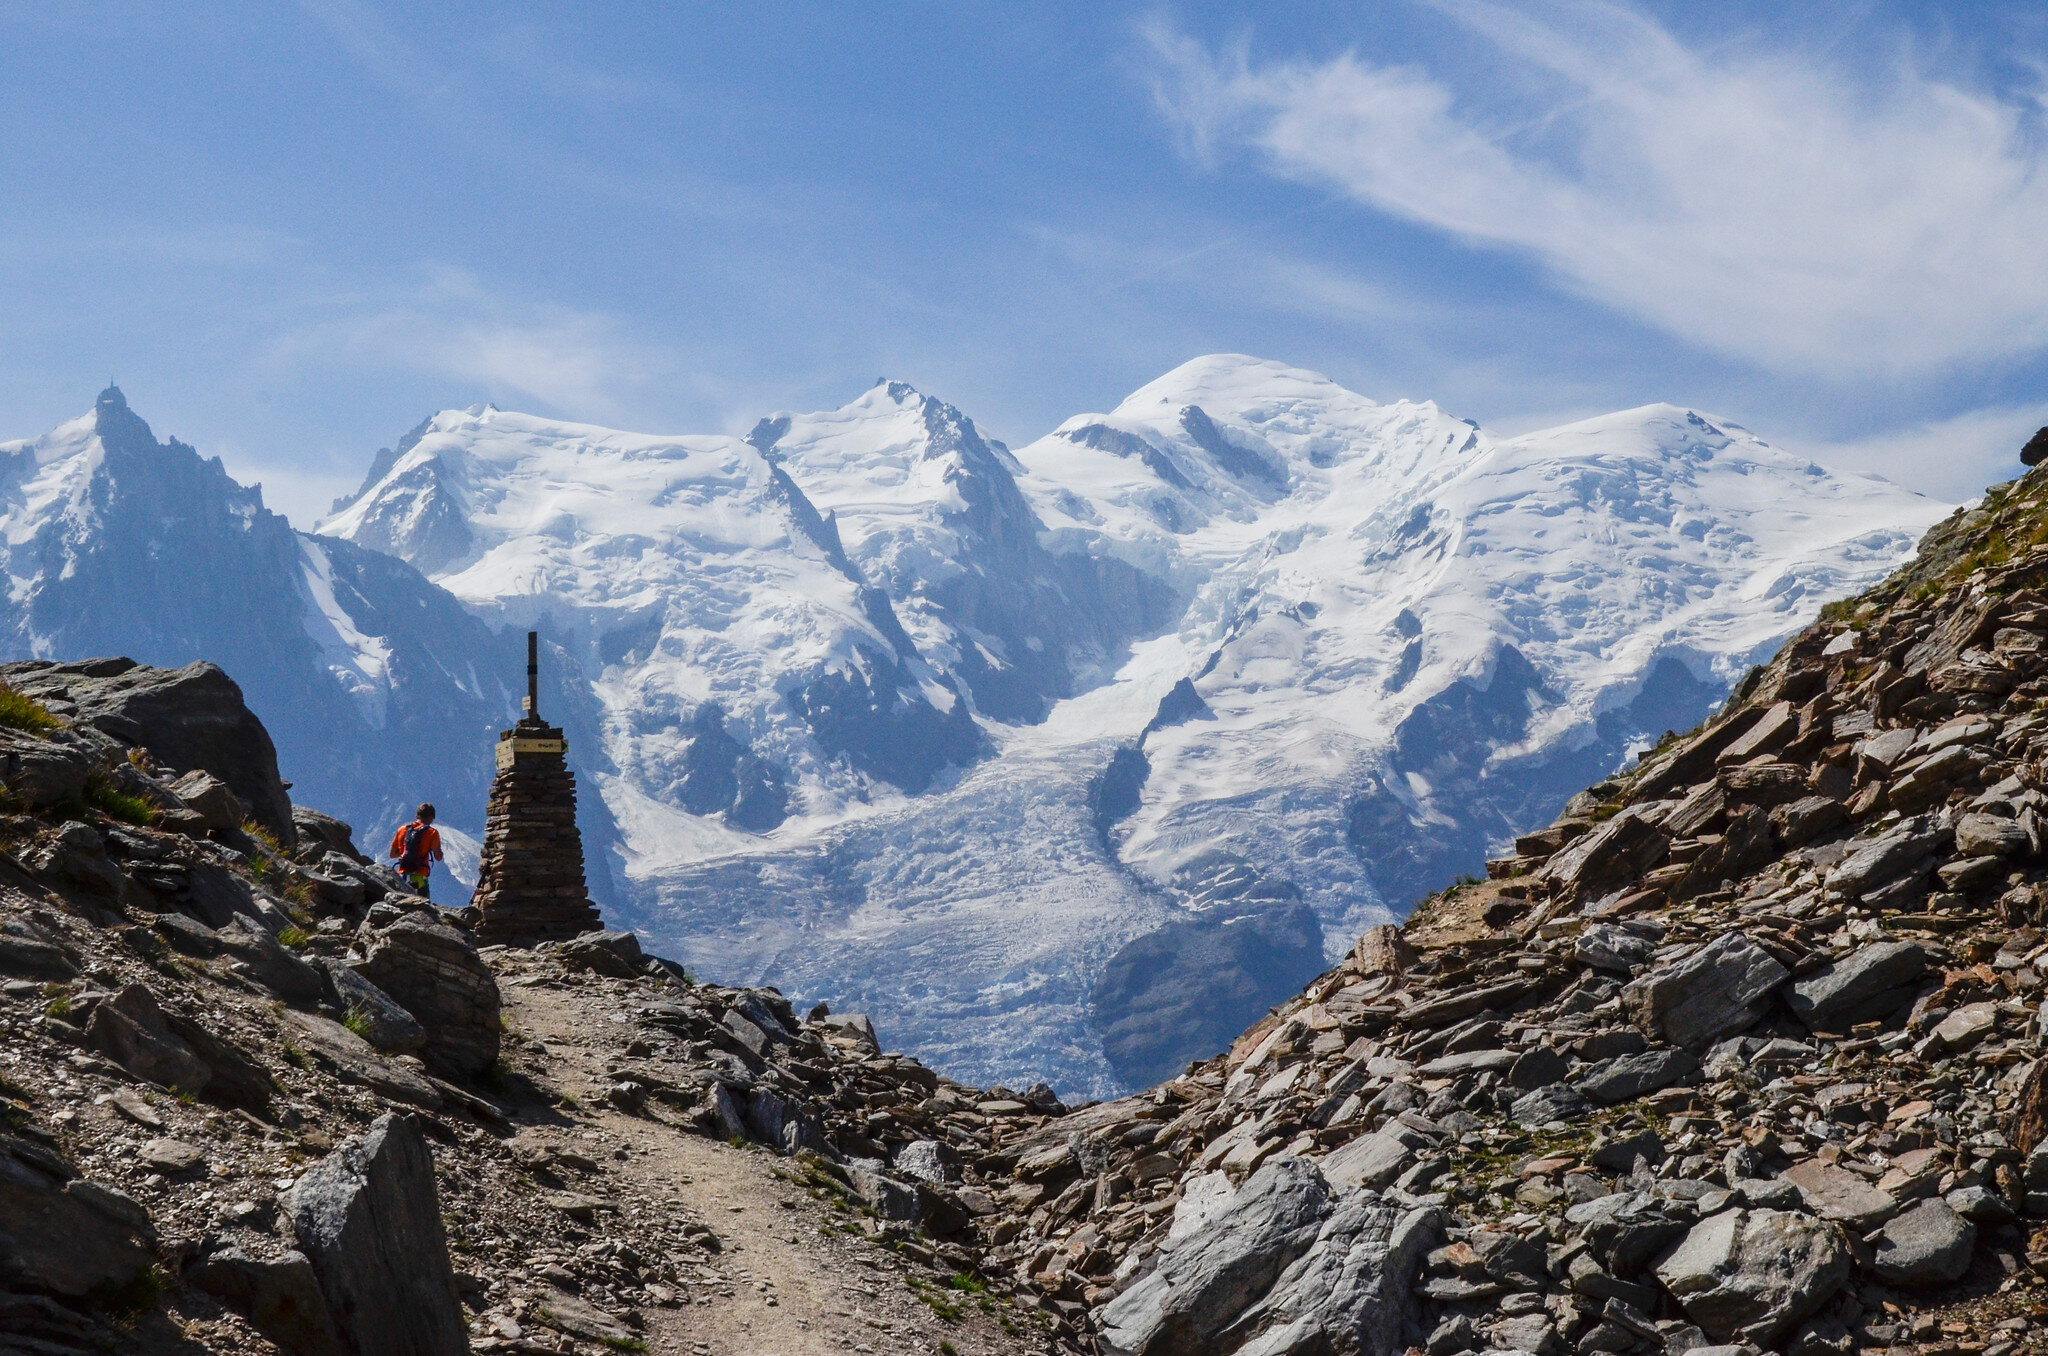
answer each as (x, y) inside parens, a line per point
(1721, 988)
(1215, 1273)
(62, 1234)
(1870, 984)
(1354, 1290)
(368, 1219)
(187, 718)
(280, 1294)
(1927, 1244)
(1749, 1276)
(433, 972)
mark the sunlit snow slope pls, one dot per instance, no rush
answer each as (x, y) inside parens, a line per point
(1252, 662)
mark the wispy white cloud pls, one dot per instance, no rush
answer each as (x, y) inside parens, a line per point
(1777, 206)
(1952, 458)
(452, 326)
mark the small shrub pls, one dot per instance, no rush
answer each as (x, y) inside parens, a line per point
(358, 1021)
(960, 1280)
(295, 1057)
(295, 937)
(58, 1006)
(18, 712)
(263, 836)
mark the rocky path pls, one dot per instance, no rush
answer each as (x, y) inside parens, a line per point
(792, 1276)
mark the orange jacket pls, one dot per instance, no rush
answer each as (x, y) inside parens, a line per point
(430, 842)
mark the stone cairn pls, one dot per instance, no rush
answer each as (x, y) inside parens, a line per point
(530, 887)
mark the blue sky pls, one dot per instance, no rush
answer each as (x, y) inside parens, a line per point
(289, 231)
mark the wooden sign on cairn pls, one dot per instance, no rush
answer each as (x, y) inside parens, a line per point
(530, 887)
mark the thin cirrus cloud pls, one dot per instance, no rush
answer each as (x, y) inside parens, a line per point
(452, 326)
(1777, 208)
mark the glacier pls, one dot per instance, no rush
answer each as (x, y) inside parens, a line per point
(1064, 761)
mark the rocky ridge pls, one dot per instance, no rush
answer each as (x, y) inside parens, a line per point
(1742, 1053)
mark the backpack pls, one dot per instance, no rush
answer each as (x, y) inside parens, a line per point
(412, 859)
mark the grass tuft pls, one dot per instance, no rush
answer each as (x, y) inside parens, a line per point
(114, 803)
(358, 1021)
(295, 937)
(19, 712)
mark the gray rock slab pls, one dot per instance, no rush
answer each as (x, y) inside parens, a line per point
(1718, 990)
(1633, 1076)
(373, 1014)
(1471, 1061)
(1981, 835)
(1221, 1269)
(1875, 862)
(1835, 1193)
(1353, 1290)
(1374, 1160)
(1864, 986)
(368, 1219)
(1750, 1276)
(280, 1294)
(1607, 947)
(1538, 1067)
(262, 958)
(1925, 1244)
(1557, 1102)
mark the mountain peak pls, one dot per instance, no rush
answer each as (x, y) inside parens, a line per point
(111, 399)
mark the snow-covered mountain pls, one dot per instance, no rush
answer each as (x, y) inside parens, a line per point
(1068, 761)
(379, 689)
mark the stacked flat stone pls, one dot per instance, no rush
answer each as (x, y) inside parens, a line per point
(530, 887)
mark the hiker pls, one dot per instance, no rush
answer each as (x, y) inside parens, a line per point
(417, 846)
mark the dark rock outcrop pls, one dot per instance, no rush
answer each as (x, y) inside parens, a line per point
(369, 1222)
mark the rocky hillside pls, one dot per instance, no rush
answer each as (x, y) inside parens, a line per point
(1744, 1051)
(255, 1097)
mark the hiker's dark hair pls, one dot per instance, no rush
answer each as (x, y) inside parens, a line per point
(425, 813)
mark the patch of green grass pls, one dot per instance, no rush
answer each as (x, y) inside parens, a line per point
(947, 1348)
(296, 937)
(935, 1299)
(624, 1343)
(358, 1021)
(114, 803)
(58, 1007)
(263, 836)
(19, 712)
(569, 1103)
(960, 1280)
(295, 1057)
